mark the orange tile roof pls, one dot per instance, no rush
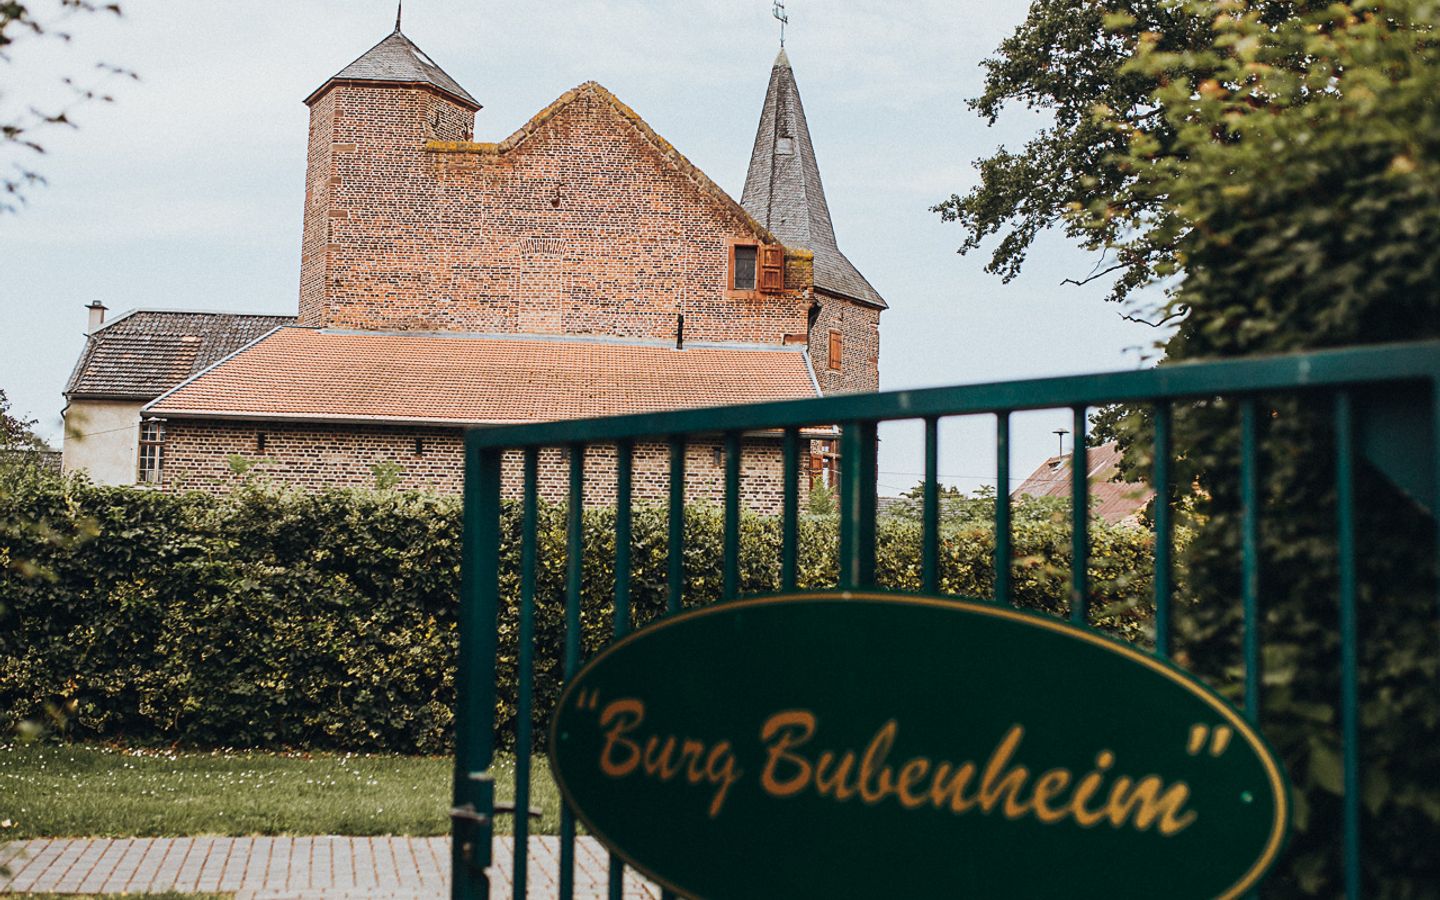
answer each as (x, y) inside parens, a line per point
(1115, 501)
(308, 373)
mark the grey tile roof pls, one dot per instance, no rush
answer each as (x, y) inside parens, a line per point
(783, 190)
(397, 59)
(143, 354)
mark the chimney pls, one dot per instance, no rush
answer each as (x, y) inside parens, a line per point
(97, 316)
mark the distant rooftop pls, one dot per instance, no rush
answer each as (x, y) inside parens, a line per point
(1115, 501)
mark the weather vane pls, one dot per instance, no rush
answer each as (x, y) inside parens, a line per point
(778, 11)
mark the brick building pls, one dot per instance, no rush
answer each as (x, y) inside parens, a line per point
(581, 266)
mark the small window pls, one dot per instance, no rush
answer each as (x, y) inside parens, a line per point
(835, 351)
(419, 446)
(742, 267)
(259, 442)
(152, 451)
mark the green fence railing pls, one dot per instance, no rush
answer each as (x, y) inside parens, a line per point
(1383, 401)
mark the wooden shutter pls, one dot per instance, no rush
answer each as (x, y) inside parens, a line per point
(772, 268)
(835, 350)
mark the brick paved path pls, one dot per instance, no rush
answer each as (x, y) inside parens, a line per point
(272, 868)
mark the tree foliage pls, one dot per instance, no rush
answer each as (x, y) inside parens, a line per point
(1280, 162)
(16, 432)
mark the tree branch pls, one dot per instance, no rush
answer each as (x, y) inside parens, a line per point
(1091, 277)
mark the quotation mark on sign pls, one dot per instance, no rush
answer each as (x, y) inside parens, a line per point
(1218, 739)
(587, 699)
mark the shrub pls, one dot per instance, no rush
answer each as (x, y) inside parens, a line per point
(274, 619)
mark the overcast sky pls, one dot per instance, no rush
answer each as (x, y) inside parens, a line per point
(186, 192)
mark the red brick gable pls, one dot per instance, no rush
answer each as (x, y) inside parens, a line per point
(583, 222)
(543, 121)
(304, 373)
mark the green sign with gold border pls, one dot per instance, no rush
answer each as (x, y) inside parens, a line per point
(882, 745)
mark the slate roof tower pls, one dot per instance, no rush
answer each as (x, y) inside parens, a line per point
(364, 166)
(783, 190)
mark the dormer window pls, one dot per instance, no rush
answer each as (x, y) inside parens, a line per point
(743, 258)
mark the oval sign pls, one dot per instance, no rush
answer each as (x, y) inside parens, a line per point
(882, 745)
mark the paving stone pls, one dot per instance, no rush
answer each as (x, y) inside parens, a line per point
(284, 868)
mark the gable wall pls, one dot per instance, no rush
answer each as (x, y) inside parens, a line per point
(435, 239)
(859, 328)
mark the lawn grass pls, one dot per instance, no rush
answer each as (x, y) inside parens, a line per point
(85, 790)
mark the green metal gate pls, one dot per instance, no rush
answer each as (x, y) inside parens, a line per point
(1385, 405)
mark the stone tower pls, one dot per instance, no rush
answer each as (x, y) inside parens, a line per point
(365, 174)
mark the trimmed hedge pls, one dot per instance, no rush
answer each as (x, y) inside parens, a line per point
(273, 619)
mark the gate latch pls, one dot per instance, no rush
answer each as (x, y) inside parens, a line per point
(466, 812)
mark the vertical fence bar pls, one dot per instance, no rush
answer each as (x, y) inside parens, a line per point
(1002, 507)
(1250, 555)
(574, 571)
(1164, 531)
(1435, 474)
(930, 536)
(731, 578)
(1349, 636)
(475, 676)
(790, 511)
(857, 504)
(1079, 522)
(676, 577)
(624, 460)
(525, 665)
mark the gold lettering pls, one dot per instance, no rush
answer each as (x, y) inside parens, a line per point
(720, 769)
(1087, 787)
(1046, 787)
(1147, 803)
(873, 764)
(793, 728)
(953, 791)
(834, 785)
(627, 714)
(911, 772)
(993, 785)
(659, 763)
(693, 751)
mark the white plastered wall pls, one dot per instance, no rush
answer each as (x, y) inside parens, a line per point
(101, 438)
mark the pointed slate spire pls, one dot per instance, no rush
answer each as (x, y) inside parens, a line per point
(397, 60)
(783, 190)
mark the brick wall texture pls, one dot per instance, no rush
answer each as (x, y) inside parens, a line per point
(584, 222)
(218, 457)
